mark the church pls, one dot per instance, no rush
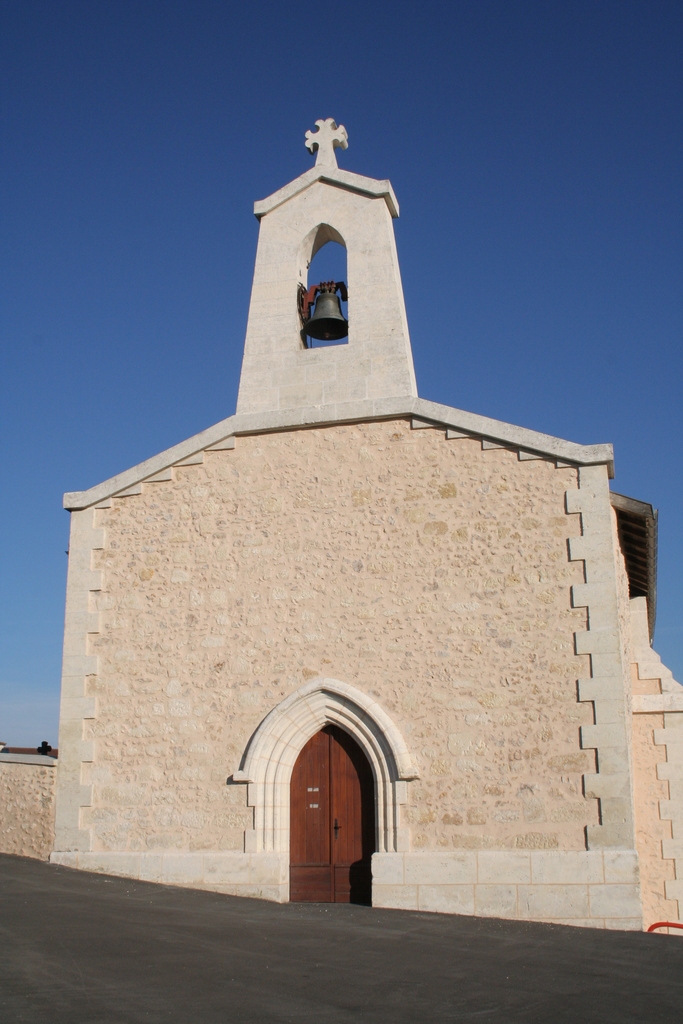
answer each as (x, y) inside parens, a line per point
(349, 645)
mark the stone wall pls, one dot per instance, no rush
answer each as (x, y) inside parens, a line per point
(26, 808)
(430, 573)
(595, 889)
(657, 701)
(651, 831)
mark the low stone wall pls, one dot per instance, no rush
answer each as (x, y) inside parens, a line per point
(27, 807)
(592, 889)
(595, 889)
(260, 875)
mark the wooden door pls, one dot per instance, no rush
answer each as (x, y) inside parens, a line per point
(332, 821)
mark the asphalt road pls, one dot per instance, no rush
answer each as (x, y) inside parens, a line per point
(77, 948)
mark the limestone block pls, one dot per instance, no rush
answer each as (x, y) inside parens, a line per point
(269, 869)
(183, 868)
(403, 840)
(503, 867)
(77, 708)
(68, 839)
(676, 791)
(151, 867)
(598, 736)
(612, 835)
(601, 785)
(667, 810)
(624, 924)
(621, 866)
(387, 869)
(607, 664)
(615, 901)
(78, 664)
(616, 809)
(674, 890)
(672, 849)
(579, 501)
(613, 761)
(598, 641)
(549, 902)
(446, 899)
(395, 897)
(274, 893)
(601, 597)
(496, 900)
(230, 869)
(599, 689)
(290, 376)
(125, 864)
(300, 395)
(654, 703)
(610, 712)
(586, 548)
(550, 867)
(65, 859)
(351, 389)
(440, 868)
(581, 922)
(673, 739)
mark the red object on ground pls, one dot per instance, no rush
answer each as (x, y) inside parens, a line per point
(664, 924)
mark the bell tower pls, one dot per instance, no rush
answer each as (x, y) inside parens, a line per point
(279, 369)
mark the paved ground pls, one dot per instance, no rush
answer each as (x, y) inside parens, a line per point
(89, 949)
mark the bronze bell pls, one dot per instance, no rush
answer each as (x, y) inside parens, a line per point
(327, 322)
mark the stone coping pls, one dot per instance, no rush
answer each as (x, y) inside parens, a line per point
(28, 759)
(349, 180)
(441, 416)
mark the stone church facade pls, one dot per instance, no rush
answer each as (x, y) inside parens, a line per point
(464, 598)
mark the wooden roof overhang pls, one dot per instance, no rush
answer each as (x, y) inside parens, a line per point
(637, 524)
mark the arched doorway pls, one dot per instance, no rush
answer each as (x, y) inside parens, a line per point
(269, 758)
(332, 821)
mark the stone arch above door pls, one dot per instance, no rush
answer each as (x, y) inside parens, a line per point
(274, 747)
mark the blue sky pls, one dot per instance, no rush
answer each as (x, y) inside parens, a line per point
(536, 151)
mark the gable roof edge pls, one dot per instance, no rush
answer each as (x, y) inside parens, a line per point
(506, 434)
(377, 189)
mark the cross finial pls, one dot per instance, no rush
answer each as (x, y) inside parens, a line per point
(328, 137)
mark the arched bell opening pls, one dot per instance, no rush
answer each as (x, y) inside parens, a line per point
(323, 289)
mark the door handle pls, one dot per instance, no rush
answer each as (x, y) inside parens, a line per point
(337, 826)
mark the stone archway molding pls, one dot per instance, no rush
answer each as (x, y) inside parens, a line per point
(274, 747)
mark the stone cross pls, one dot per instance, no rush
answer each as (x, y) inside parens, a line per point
(328, 137)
